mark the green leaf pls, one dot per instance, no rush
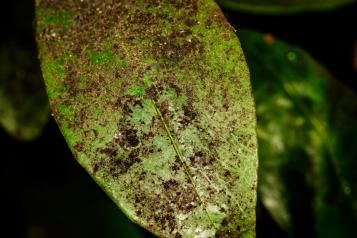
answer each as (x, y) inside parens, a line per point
(23, 100)
(154, 100)
(282, 7)
(306, 130)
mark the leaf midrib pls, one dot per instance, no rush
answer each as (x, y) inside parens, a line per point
(179, 154)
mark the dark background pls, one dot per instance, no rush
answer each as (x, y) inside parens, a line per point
(46, 194)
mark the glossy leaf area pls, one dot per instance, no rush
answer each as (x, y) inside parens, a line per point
(281, 7)
(154, 100)
(24, 109)
(306, 130)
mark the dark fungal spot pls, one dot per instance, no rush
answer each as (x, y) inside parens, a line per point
(116, 167)
(114, 163)
(176, 165)
(164, 109)
(124, 102)
(170, 184)
(177, 235)
(187, 200)
(125, 138)
(208, 22)
(90, 133)
(142, 175)
(189, 114)
(95, 167)
(190, 22)
(167, 218)
(176, 46)
(109, 151)
(227, 230)
(81, 116)
(225, 222)
(171, 81)
(220, 19)
(146, 150)
(133, 155)
(225, 105)
(191, 5)
(161, 208)
(71, 81)
(79, 146)
(148, 135)
(152, 92)
(138, 198)
(131, 138)
(158, 208)
(93, 86)
(201, 159)
(227, 173)
(225, 234)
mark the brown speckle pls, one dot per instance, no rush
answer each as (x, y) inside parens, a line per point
(130, 136)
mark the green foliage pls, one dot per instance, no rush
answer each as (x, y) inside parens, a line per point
(23, 101)
(281, 7)
(305, 122)
(155, 102)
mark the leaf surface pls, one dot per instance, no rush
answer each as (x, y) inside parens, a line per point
(282, 7)
(154, 100)
(306, 126)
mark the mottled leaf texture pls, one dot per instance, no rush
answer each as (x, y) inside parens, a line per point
(23, 101)
(306, 131)
(154, 100)
(282, 7)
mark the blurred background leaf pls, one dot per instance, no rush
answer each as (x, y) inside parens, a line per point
(281, 7)
(306, 121)
(23, 100)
